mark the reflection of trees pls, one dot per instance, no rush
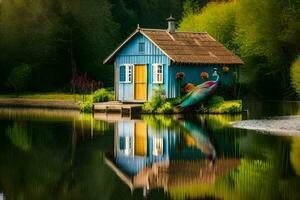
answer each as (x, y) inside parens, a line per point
(158, 122)
(19, 135)
(82, 121)
(295, 155)
(42, 159)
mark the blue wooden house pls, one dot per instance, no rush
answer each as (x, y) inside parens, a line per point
(152, 57)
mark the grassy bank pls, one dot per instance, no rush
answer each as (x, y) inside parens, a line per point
(224, 107)
(46, 96)
(57, 100)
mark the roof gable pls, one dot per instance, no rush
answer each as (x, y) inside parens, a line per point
(185, 47)
(132, 47)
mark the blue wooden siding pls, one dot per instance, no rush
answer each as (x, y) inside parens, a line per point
(192, 75)
(130, 55)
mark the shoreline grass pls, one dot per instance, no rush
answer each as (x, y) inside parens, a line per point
(46, 96)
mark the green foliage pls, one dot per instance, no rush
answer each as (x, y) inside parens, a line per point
(86, 106)
(19, 78)
(215, 100)
(218, 19)
(190, 7)
(102, 95)
(160, 122)
(264, 33)
(295, 75)
(217, 105)
(158, 96)
(231, 107)
(62, 37)
(158, 102)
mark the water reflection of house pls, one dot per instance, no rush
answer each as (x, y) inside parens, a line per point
(138, 146)
(146, 158)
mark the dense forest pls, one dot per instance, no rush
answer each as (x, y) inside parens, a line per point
(46, 42)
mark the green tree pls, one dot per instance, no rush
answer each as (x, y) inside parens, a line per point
(192, 6)
(19, 78)
(267, 34)
(218, 19)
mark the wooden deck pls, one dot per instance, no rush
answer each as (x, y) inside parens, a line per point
(118, 107)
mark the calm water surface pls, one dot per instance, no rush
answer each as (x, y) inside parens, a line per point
(50, 154)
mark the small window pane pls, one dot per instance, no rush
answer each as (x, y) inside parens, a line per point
(122, 73)
(159, 69)
(141, 47)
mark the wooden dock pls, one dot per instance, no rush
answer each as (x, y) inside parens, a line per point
(118, 107)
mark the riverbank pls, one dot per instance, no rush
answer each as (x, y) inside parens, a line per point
(39, 103)
(45, 96)
(284, 126)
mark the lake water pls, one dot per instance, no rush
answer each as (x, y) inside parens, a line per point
(51, 154)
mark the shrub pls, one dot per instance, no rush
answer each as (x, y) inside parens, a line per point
(158, 96)
(215, 100)
(295, 75)
(102, 95)
(233, 106)
(86, 106)
(157, 101)
(165, 108)
(19, 78)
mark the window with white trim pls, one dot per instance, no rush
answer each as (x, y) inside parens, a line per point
(157, 70)
(126, 73)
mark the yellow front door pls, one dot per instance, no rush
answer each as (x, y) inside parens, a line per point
(140, 82)
(140, 137)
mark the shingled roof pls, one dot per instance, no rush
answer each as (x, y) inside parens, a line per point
(185, 47)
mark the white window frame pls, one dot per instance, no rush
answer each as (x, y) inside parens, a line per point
(155, 73)
(128, 73)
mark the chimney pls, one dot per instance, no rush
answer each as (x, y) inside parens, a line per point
(171, 24)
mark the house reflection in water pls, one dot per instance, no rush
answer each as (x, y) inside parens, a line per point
(146, 157)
